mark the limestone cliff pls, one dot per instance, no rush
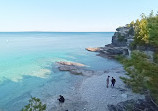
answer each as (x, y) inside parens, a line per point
(123, 36)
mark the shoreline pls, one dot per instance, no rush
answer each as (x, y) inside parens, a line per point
(94, 91)
(91, 94)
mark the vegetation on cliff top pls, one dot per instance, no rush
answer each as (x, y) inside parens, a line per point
(146, 30)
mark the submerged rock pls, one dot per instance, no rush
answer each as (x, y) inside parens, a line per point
(77, 69)
(74, 68)
(70, 63)
(67, 68)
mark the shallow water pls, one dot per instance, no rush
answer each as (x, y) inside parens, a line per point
(27, 63)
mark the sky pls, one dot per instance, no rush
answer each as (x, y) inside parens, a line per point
(71, 15)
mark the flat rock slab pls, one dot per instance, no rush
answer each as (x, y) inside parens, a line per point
(96, 49)
(70, 63)
(77, 69)
(74, 68)
(110, 51)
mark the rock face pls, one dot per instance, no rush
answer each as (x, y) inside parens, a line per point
(116, 50)
(119, 40)
(120, 43)
(123, 37)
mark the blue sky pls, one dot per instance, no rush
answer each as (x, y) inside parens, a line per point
(71, 15)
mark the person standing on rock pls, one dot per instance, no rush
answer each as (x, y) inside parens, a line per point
(107, 81)
(113, 82)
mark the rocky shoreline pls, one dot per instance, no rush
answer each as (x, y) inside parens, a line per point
(92, 95)
(92, 91)
(110, 51)
(134, 105)
(121, 41)
(119, 46)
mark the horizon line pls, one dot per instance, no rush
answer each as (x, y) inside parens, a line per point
(52, 31)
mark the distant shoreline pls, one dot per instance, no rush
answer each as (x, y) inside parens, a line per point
(51, 32)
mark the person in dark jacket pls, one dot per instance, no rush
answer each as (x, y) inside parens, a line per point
(61, 100)
(113, 82)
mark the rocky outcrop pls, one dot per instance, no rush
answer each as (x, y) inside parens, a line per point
(123, 37)
(113, 50)
(121, 40)
(93, 49)
(76, 68)
(134, 105)
(120, 45)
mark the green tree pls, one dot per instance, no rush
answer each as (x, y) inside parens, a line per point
(153, 29)
(141, 36)
(35, 104)
(146, 30)
(132, 24)
(143, 73)
(143, 70)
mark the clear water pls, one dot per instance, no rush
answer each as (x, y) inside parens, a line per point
(27, 63)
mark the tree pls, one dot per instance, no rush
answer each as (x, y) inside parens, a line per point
(35, 104)
(143, 73)
(141, 32)
(132, 24)
(146, 30)
(153, 29)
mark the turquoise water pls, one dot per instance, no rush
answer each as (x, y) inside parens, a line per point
(27, 63)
